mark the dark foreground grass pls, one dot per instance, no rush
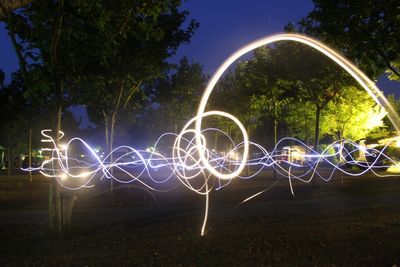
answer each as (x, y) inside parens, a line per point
(323, 233)
(366, 237)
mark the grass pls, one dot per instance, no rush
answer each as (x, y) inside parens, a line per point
(324, 225)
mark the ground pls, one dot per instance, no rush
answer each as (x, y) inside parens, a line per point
(349, 221)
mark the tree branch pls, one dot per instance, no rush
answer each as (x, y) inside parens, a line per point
(17, 47)
(7, 6)
(133, 90)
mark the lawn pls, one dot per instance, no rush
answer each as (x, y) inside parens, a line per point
(354, 222)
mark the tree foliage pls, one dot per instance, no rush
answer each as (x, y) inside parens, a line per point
(365, 31)
(178, 95)
(96, 54)
(353, 114)
(291, 90)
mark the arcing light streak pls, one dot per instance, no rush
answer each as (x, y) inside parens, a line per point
(200, 169)
(357, 74)
(184, 166)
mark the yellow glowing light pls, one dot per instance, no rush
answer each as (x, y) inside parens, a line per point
(233, 155)
(394, 168)
(83, 174)
(195, 161)
(375, 119)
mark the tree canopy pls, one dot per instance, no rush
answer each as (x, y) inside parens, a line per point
(365, 31)
(292, 90)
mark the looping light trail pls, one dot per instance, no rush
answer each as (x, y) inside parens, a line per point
(159, 172)
(193, 164)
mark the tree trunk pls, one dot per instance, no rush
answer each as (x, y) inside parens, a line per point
(112, 125)
(55, 213)
(30, 152)
(9, 161)
(306, 127)
(316, 136)
(316, 132)
(108, 146)
(275, 132)
(216, 141)
(106, 132)
(230, 148)
(248, 166)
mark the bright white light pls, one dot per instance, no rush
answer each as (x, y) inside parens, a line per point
(357, 74)
(63, 146)
(63, 176)
(398, 143)
(196, 167)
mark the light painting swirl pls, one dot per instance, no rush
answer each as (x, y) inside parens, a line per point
(190, 162)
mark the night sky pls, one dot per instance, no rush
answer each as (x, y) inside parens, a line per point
(225, 26)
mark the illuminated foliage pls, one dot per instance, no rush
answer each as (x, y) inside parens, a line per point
(353, 114)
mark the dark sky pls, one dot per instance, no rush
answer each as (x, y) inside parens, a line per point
(225, 26)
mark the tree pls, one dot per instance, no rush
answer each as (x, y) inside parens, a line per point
(313, 77)
(365, 31)
(269, 90)
(19, 116)
(178, 95)
(353, 114)
(232, 94)
(263, 86)
(115, 45)
(11, 118)
(6, 7)
(2, 78)
(146, 36)
(300, 120)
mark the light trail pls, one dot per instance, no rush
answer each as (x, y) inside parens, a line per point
(349, 67)
(181, 165)
(189, 162)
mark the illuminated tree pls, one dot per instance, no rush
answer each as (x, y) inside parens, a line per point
(314, 78)
(353, 114)
(300, 120)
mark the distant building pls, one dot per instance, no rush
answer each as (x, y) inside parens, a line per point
(294, 154)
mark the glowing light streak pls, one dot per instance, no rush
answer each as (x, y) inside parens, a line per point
(184, 165)
(201, 170)
(357, 74)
